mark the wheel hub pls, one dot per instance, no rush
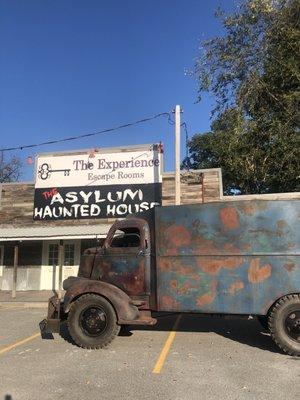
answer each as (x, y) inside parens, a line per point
(292, 325)
(93, 321)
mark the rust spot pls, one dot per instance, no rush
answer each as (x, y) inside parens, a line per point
(133, 283)
(177, 236)
(164, 264)
(246, 246)
(184, 288)
(208, 298)
(212, 266)
(249, 209)
(258, 274)
(205, 246)
(289, 266)
(195, 277)
(168, 303)
(173, 284)
(172, 251)
(235, 287)
(230, 248)
(183, 269)
(232, 262)
(281, 224)
(229, 218)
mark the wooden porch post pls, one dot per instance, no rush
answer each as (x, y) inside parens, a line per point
(15, 271)
(60, 262)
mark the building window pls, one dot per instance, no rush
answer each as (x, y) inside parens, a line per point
(69, 254)
(53, 254)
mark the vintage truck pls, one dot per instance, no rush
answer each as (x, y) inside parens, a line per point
(238, 257)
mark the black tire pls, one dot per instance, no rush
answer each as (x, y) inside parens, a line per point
(92, 322)
(263, 320)
(284, 324)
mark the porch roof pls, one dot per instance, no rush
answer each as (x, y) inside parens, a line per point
(54, 232)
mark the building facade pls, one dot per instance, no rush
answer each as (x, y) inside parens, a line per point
(37, 242)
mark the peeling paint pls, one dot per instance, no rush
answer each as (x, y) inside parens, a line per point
(290, 266)
(178, 236)
(229, 218)
(208, 297)
(258, 274)
(212, 266)
(236, 286)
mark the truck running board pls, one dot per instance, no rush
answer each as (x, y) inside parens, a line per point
(144, 319)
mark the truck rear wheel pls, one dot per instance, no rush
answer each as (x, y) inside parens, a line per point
(284, 324)
(92, 322)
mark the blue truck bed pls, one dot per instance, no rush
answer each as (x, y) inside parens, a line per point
(234, 257)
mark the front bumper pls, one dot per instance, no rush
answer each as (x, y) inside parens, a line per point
(51, 324)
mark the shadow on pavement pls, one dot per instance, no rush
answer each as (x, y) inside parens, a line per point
(248, 332)
(64, 333)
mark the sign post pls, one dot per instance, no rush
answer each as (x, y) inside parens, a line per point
(60, 266)
(15, 270)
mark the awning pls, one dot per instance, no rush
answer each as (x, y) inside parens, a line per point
(54, 232)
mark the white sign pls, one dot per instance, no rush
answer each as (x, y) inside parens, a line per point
(128, 167)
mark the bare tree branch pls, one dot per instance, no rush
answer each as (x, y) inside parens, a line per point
(10, 170)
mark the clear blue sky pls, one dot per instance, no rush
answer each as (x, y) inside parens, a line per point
(71, 67)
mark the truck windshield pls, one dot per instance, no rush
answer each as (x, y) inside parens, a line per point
(129, 237)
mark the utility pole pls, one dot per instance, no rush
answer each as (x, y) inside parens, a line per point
(177, 154)
(1, 165)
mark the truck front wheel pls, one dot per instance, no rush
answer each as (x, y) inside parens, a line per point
(284, 324)
(92, 322)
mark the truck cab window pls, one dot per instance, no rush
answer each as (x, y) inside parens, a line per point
(129, 237)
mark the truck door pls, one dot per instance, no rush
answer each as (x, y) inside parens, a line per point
(125, 258)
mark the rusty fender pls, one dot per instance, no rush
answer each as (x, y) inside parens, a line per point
(75, 287)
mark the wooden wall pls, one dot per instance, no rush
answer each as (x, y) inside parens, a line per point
(16, 199)
(199, 186)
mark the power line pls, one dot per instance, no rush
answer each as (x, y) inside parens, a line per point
(165, 114)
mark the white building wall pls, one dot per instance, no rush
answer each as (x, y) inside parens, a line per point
(50, 274)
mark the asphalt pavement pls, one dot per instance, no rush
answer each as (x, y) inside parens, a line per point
(202, 358)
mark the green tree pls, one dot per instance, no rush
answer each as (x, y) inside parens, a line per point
(253, 72)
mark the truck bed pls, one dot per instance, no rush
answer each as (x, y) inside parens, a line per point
(234, 257)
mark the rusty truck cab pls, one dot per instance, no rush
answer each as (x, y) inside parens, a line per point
(124, 259)
(119, 271)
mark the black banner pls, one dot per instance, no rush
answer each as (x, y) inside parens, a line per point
(84, 202)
